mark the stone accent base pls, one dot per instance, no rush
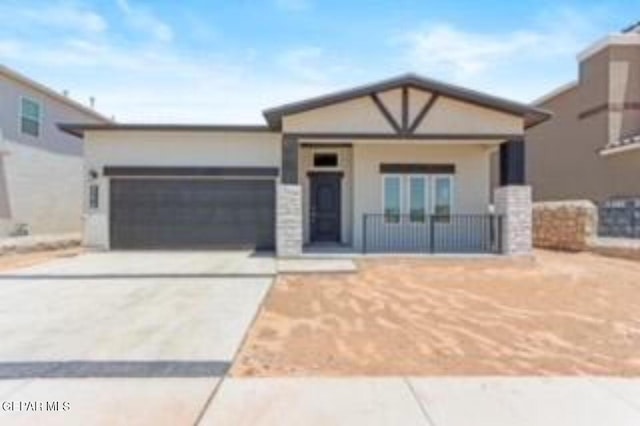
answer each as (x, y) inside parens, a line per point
(515, 206)
(565, 225)
(289, 220)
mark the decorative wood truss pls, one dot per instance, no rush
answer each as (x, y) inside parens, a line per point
(404, 126)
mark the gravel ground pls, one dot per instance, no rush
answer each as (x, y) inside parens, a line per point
(562, 314)
(11, 261)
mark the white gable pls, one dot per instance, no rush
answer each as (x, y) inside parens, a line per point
(453, 116)
(445, 116)
(417, 100)
(392, 100)
(359, 115)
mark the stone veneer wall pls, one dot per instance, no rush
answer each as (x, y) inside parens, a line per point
(565, 225)
(514, 204)
(289, 220)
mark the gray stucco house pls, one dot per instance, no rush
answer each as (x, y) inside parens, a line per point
(401, 165)
(41, 167)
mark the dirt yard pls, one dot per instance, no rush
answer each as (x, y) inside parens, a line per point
(562, 314)
(24, 260)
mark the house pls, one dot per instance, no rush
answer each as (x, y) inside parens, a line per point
(40, 166)
(591, 148)
(397, 166)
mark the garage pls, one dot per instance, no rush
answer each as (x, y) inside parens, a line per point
(192, 213)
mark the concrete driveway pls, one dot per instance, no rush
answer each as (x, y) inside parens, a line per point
(130, 338)
(156, 264)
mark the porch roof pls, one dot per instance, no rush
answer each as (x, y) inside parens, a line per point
(531, 115)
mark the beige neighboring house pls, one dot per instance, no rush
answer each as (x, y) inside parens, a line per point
(41, 167)
(401, 165)
(591, 148)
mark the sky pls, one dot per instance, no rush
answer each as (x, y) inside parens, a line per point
(224, 61)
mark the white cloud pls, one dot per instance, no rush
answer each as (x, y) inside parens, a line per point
(443, 47)
(142, 80)
(314, 65)
(138, 79)
(60, 15)
(462, 52)
(305, 62)
(295, 5)
(144, 20)
(9, 48)
(149, 82)
(521, 64)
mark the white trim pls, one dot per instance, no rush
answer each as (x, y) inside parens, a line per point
(555, 92)
(619, 149)
(40, 104)
(611, 39)
(430, 193)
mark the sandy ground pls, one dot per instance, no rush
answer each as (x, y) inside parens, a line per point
(562, 314)
(24, 260)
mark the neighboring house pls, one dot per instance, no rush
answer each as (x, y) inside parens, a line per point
(397, 166)
(41, 167)
(591, 148)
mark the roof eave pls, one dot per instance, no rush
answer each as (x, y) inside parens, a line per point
(275, 115)
(535, 117)
(78, 129)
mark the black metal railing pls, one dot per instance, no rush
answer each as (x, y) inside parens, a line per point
(619, 218)
(460, 233)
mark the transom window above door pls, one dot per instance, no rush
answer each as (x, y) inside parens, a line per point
(325, 160)
(416, 197)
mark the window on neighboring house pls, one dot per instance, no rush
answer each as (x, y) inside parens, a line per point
(329, 159)
(443, 189)
(30, 117)
(94, 196)
(417, 198)
(392, 199)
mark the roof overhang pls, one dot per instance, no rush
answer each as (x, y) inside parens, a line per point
(623, 145)
(79, 129)
(555, 93)
(628, 39)
(531, 115)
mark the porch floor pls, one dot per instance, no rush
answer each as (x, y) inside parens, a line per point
(333, 250)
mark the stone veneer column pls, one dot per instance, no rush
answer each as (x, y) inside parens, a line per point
(513, 202)
(289, 220)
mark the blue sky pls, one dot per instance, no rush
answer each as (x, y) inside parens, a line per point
(219, 61)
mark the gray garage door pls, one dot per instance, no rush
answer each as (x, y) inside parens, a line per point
(192, 213)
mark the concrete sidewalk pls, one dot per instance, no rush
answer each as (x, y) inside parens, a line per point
(426, 402)
(326, 401)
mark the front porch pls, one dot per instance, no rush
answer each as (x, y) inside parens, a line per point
(403, 166)
(407, 197)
